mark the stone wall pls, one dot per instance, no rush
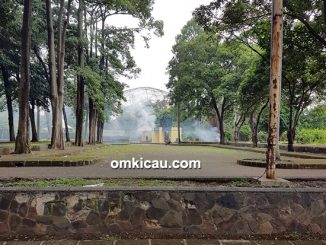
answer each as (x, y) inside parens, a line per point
(160, 212)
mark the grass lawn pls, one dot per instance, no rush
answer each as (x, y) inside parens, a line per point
(98, 152)
(148, 151)
(79, 182)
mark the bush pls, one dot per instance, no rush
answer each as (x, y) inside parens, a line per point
(228, 135)
(262, 137)
(284, 137)
(245, 133)
(311, 136)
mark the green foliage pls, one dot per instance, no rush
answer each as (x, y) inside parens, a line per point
(314, 118)
(166, 113)
(245, 133)
(262, 136)
(205, 69)
(311, 136)
(228, 134)
(304, 59)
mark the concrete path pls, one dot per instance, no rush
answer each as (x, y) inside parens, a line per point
(165, 242)
(215, 163)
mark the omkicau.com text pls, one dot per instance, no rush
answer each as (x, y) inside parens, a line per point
(141, 163)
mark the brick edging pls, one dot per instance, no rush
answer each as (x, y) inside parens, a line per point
(283, 165)
(46, 163)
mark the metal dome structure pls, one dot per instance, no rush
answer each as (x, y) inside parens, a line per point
(144, 95)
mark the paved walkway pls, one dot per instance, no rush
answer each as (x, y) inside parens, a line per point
(215, 163)
(166, 242)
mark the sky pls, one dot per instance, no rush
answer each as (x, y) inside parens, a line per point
(154, 60)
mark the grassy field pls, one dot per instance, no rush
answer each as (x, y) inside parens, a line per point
(150, 151)
(98, 152)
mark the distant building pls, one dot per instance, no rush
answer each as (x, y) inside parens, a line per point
(158, 135)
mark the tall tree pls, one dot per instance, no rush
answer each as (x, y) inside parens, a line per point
(275, 87)
(304, 40)
(9, 92)
(10, 32)
(57, 82)
(80, 78)
(204, 72)
(22, 140)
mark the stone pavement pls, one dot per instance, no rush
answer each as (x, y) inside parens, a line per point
(215, 163)
(165, 242)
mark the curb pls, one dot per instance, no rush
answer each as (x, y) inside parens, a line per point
(257, 150)
(283, 165)
(45, 163)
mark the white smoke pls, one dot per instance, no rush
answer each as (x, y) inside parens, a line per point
(199, 131)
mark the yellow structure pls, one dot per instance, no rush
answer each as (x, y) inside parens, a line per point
(158, 135)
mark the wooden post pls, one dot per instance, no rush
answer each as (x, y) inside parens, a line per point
(275, 87)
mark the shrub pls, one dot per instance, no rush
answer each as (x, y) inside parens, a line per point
(284, 137)
(262, 137)
(228, 135)
(311, 136)
(245, 133)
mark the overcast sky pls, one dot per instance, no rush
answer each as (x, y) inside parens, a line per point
(154, 61)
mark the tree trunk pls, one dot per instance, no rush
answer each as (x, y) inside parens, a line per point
(86, 120)
(237, 126)
(254, 128)
(38, 123)
(22, 140)
(52, 67)
(291, 137)
(92, 122)
(96, 42)
(33, 123)
(48, 124)
(80, 80)
(220, 118)
(66, 124)
(8, 94)
(290, 129)
(57, 141)
(254, 124)
(100, 130)
(102, 58)
(325, 11)
(178, 118)
(275, 87)
(222, 133)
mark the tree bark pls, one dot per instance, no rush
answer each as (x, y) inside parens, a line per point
(57, 141)
(254, 128)
(80, 80)
(275, 87)
(254, 121)
(8, 94)
(237, 126)
(47, 116)
(178, 118)
(38, 123)
(86, 120)
(291, 137)
(22, 140)
(65, 119)
(324, 11)
(100, 130)
(33, 123)
(220, 118)
(92, 122)
(51, 61)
